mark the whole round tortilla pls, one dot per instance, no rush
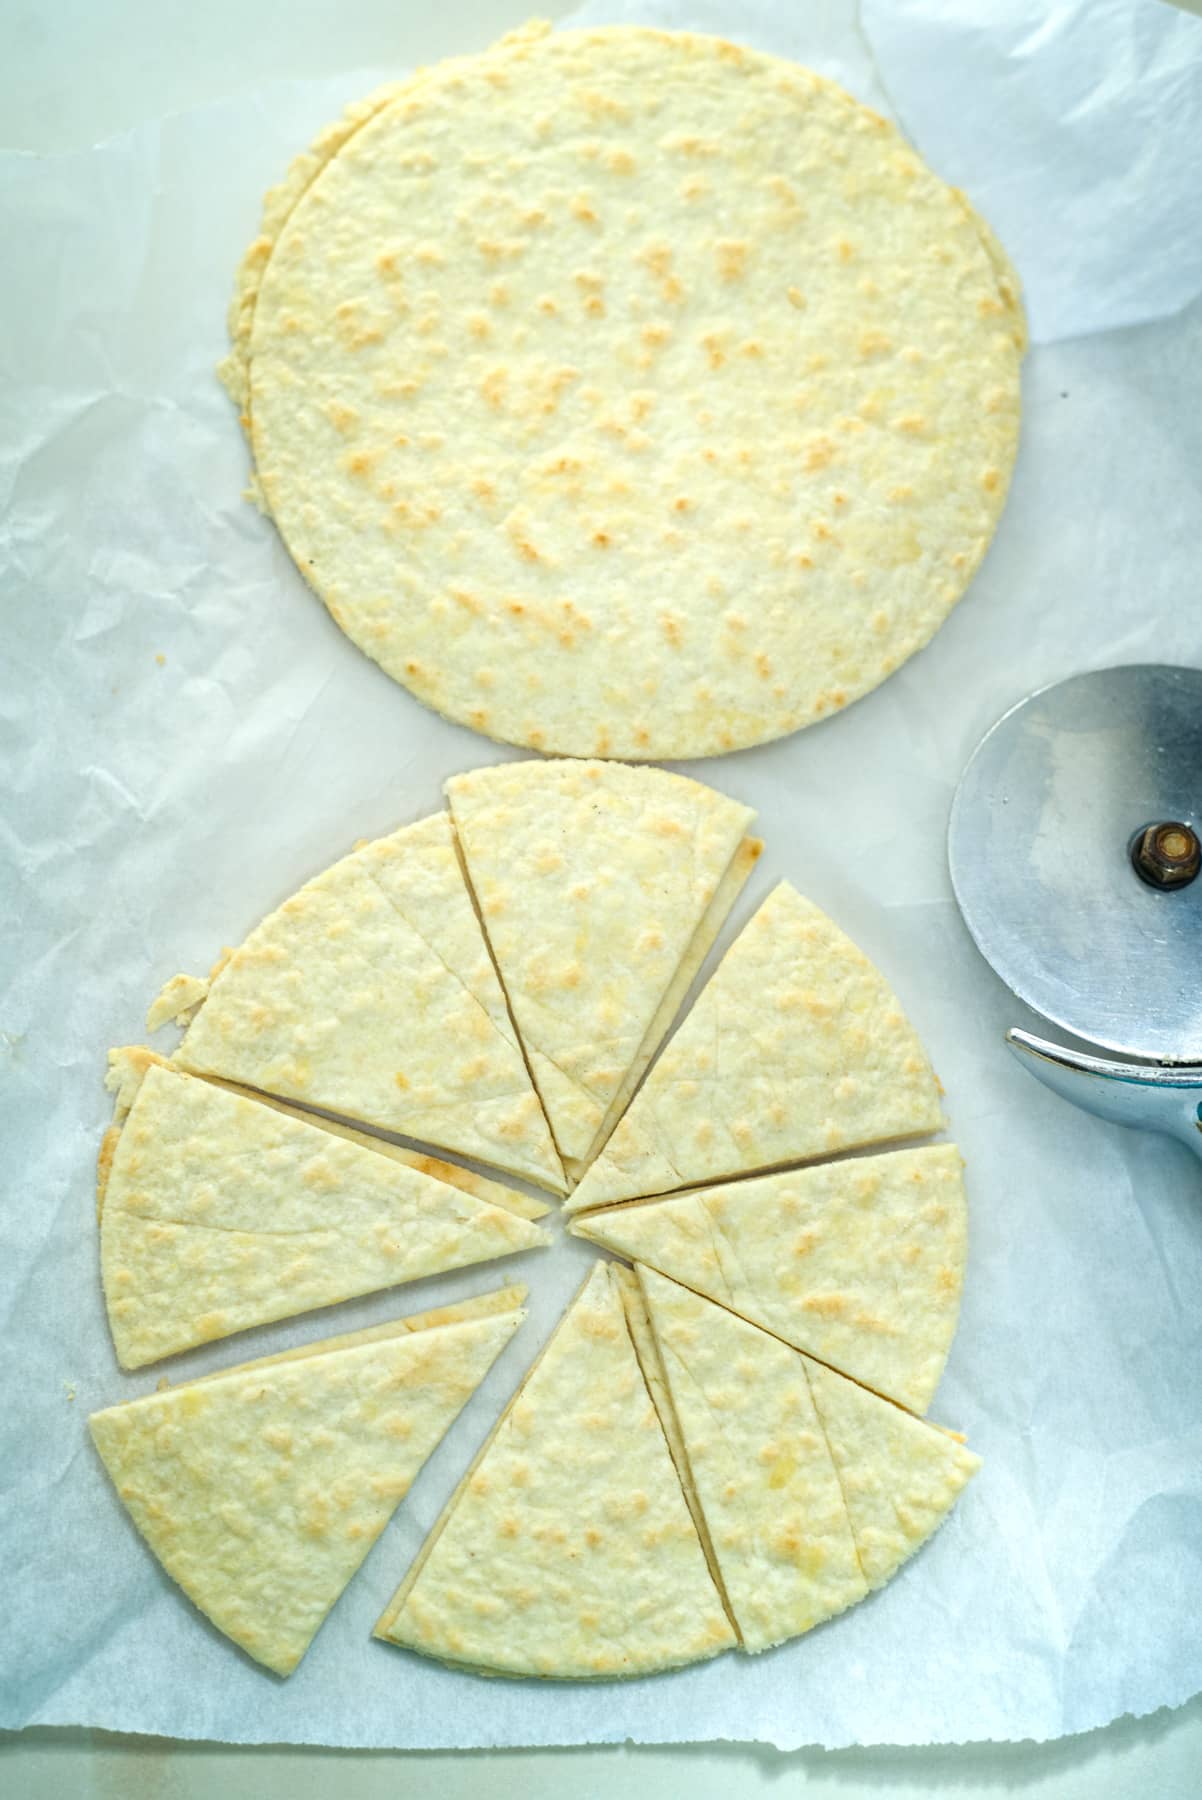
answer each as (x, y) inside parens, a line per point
(627, 393)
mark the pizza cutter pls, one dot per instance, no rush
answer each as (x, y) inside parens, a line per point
(1075, 844)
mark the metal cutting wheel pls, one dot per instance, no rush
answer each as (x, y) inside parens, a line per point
(1075, 845)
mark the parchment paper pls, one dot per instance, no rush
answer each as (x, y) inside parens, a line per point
(187, 737)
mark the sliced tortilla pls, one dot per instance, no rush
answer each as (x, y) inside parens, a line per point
(900, 1475)
(760, 1466)
(221, 1213)
(567, 1550)
(371, 993)
(488, 1305)
(638, 1323)
(592, 879)
(682, 436)
(261, 1489)
(128, 1064)
(796, 1048)
(728, 891)
(859, 1262)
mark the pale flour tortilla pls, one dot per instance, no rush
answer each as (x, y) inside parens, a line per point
(900, 1475)
(592, 880)
(638, 1323)
(220, 1213)
(859, 1262)
(510, 1298)
(796, 1048)
(261, 1489)
(177, 1000)
(728, 891)
(469, 1181)
(568, 1550)
(128, 1064)
(760, 1465)
(627, 393)
(371, 993)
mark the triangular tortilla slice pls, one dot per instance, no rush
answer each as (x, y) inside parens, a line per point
(638, 1323)
(220, 1212)
(725, 895)
(129, 1063)
(371, 993)
(759, 1464)
(796, 1048)
(592, 879)
(900, 1475)
(568, 1549)
(469, 1181)
(860, 1262)
(261, 1489)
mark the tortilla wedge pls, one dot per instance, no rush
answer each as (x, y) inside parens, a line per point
(261, 1489)
(859, 1262)
(220, 1212)
(900, 1475)
(638, 1323)
(727, 892)
(128, 1064)
(760, 1465)
(796, 1048)
(592, 880)
(371, 993)
(567, 1550)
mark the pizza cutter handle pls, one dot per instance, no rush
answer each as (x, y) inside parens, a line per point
(1150, 1098)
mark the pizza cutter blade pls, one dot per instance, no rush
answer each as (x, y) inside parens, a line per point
(1075, 844)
